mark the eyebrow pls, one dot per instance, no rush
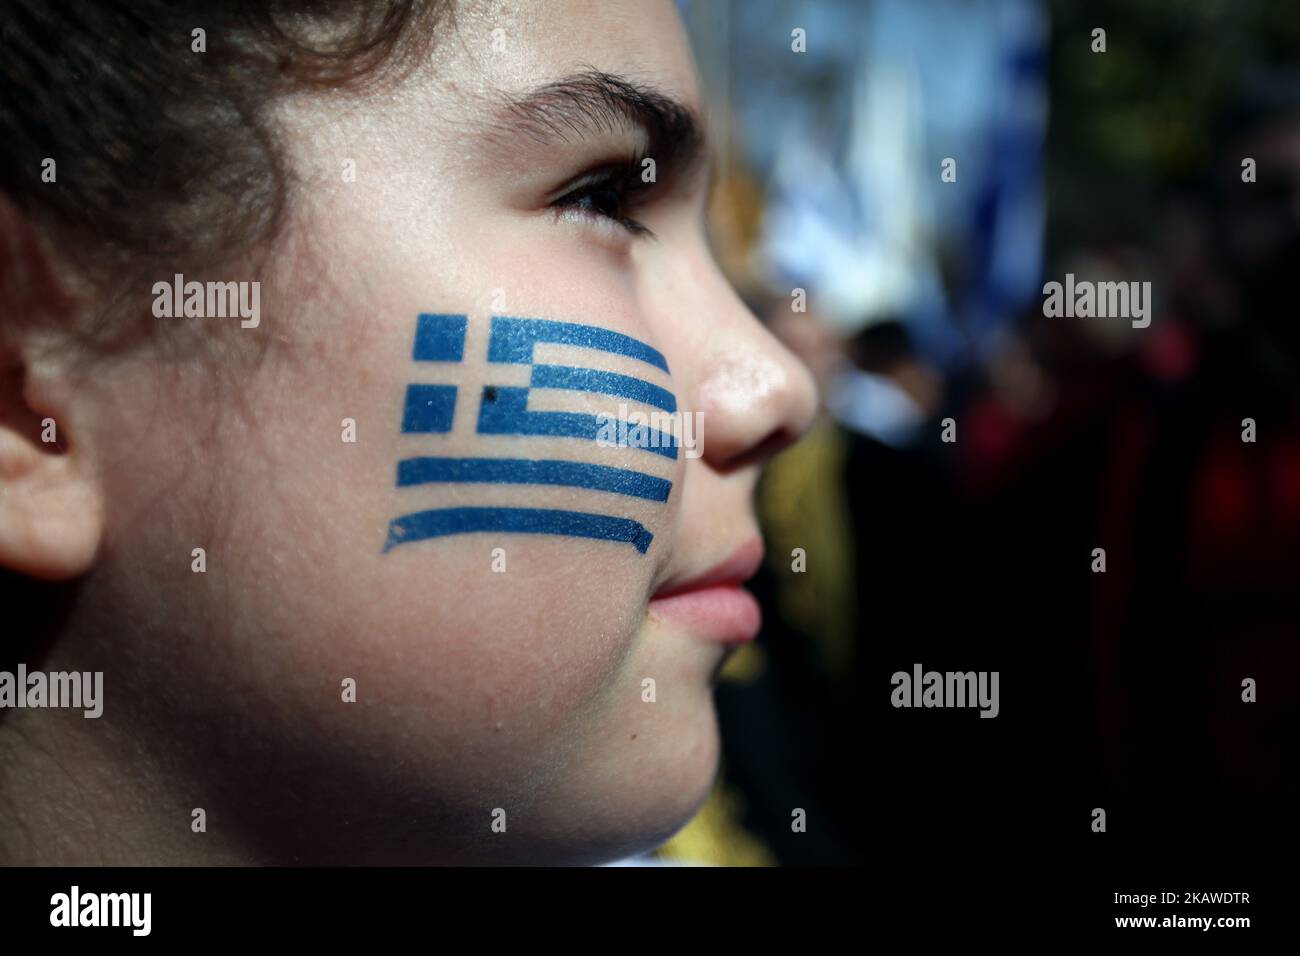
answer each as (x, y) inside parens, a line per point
(593, 102)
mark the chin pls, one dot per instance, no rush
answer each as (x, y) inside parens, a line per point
(642, 810)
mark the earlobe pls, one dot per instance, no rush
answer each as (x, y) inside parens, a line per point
(51, 502)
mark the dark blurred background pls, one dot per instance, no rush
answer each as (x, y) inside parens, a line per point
(924, 300)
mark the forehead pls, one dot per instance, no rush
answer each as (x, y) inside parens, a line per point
(512, 47)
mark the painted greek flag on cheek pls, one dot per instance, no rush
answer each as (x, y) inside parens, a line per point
(516, 381)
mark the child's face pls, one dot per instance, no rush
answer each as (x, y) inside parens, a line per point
(512, 679)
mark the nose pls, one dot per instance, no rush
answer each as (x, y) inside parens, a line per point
(756, 396)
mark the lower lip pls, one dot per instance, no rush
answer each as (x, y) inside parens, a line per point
(725, 614)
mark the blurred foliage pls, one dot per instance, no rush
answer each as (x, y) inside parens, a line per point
(1143, 115)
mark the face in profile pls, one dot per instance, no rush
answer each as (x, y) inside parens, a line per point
(452, 606)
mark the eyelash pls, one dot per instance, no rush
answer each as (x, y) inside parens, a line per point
(622, 181)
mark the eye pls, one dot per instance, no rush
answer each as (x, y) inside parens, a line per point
(604, 194)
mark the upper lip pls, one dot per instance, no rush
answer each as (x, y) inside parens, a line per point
(734, 570)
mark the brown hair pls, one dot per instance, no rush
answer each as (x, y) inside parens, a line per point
(162, 153)
(163, 160)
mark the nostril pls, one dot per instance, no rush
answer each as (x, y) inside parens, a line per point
(756, 454)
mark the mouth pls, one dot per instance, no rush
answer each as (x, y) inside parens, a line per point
(713, 606)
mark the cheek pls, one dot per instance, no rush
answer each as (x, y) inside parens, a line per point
(507, 429)
(521, 652)
(485, 641)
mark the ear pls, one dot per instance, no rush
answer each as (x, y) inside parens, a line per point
(51, 501)
(51, 509)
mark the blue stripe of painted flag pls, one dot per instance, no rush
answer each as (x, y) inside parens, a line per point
(512, 340)
(439, 337)
(523, 471)
(429, 408)
(606, 383)
(448, 521)
(508, 414)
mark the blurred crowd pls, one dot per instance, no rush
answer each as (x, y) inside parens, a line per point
(891, 201)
